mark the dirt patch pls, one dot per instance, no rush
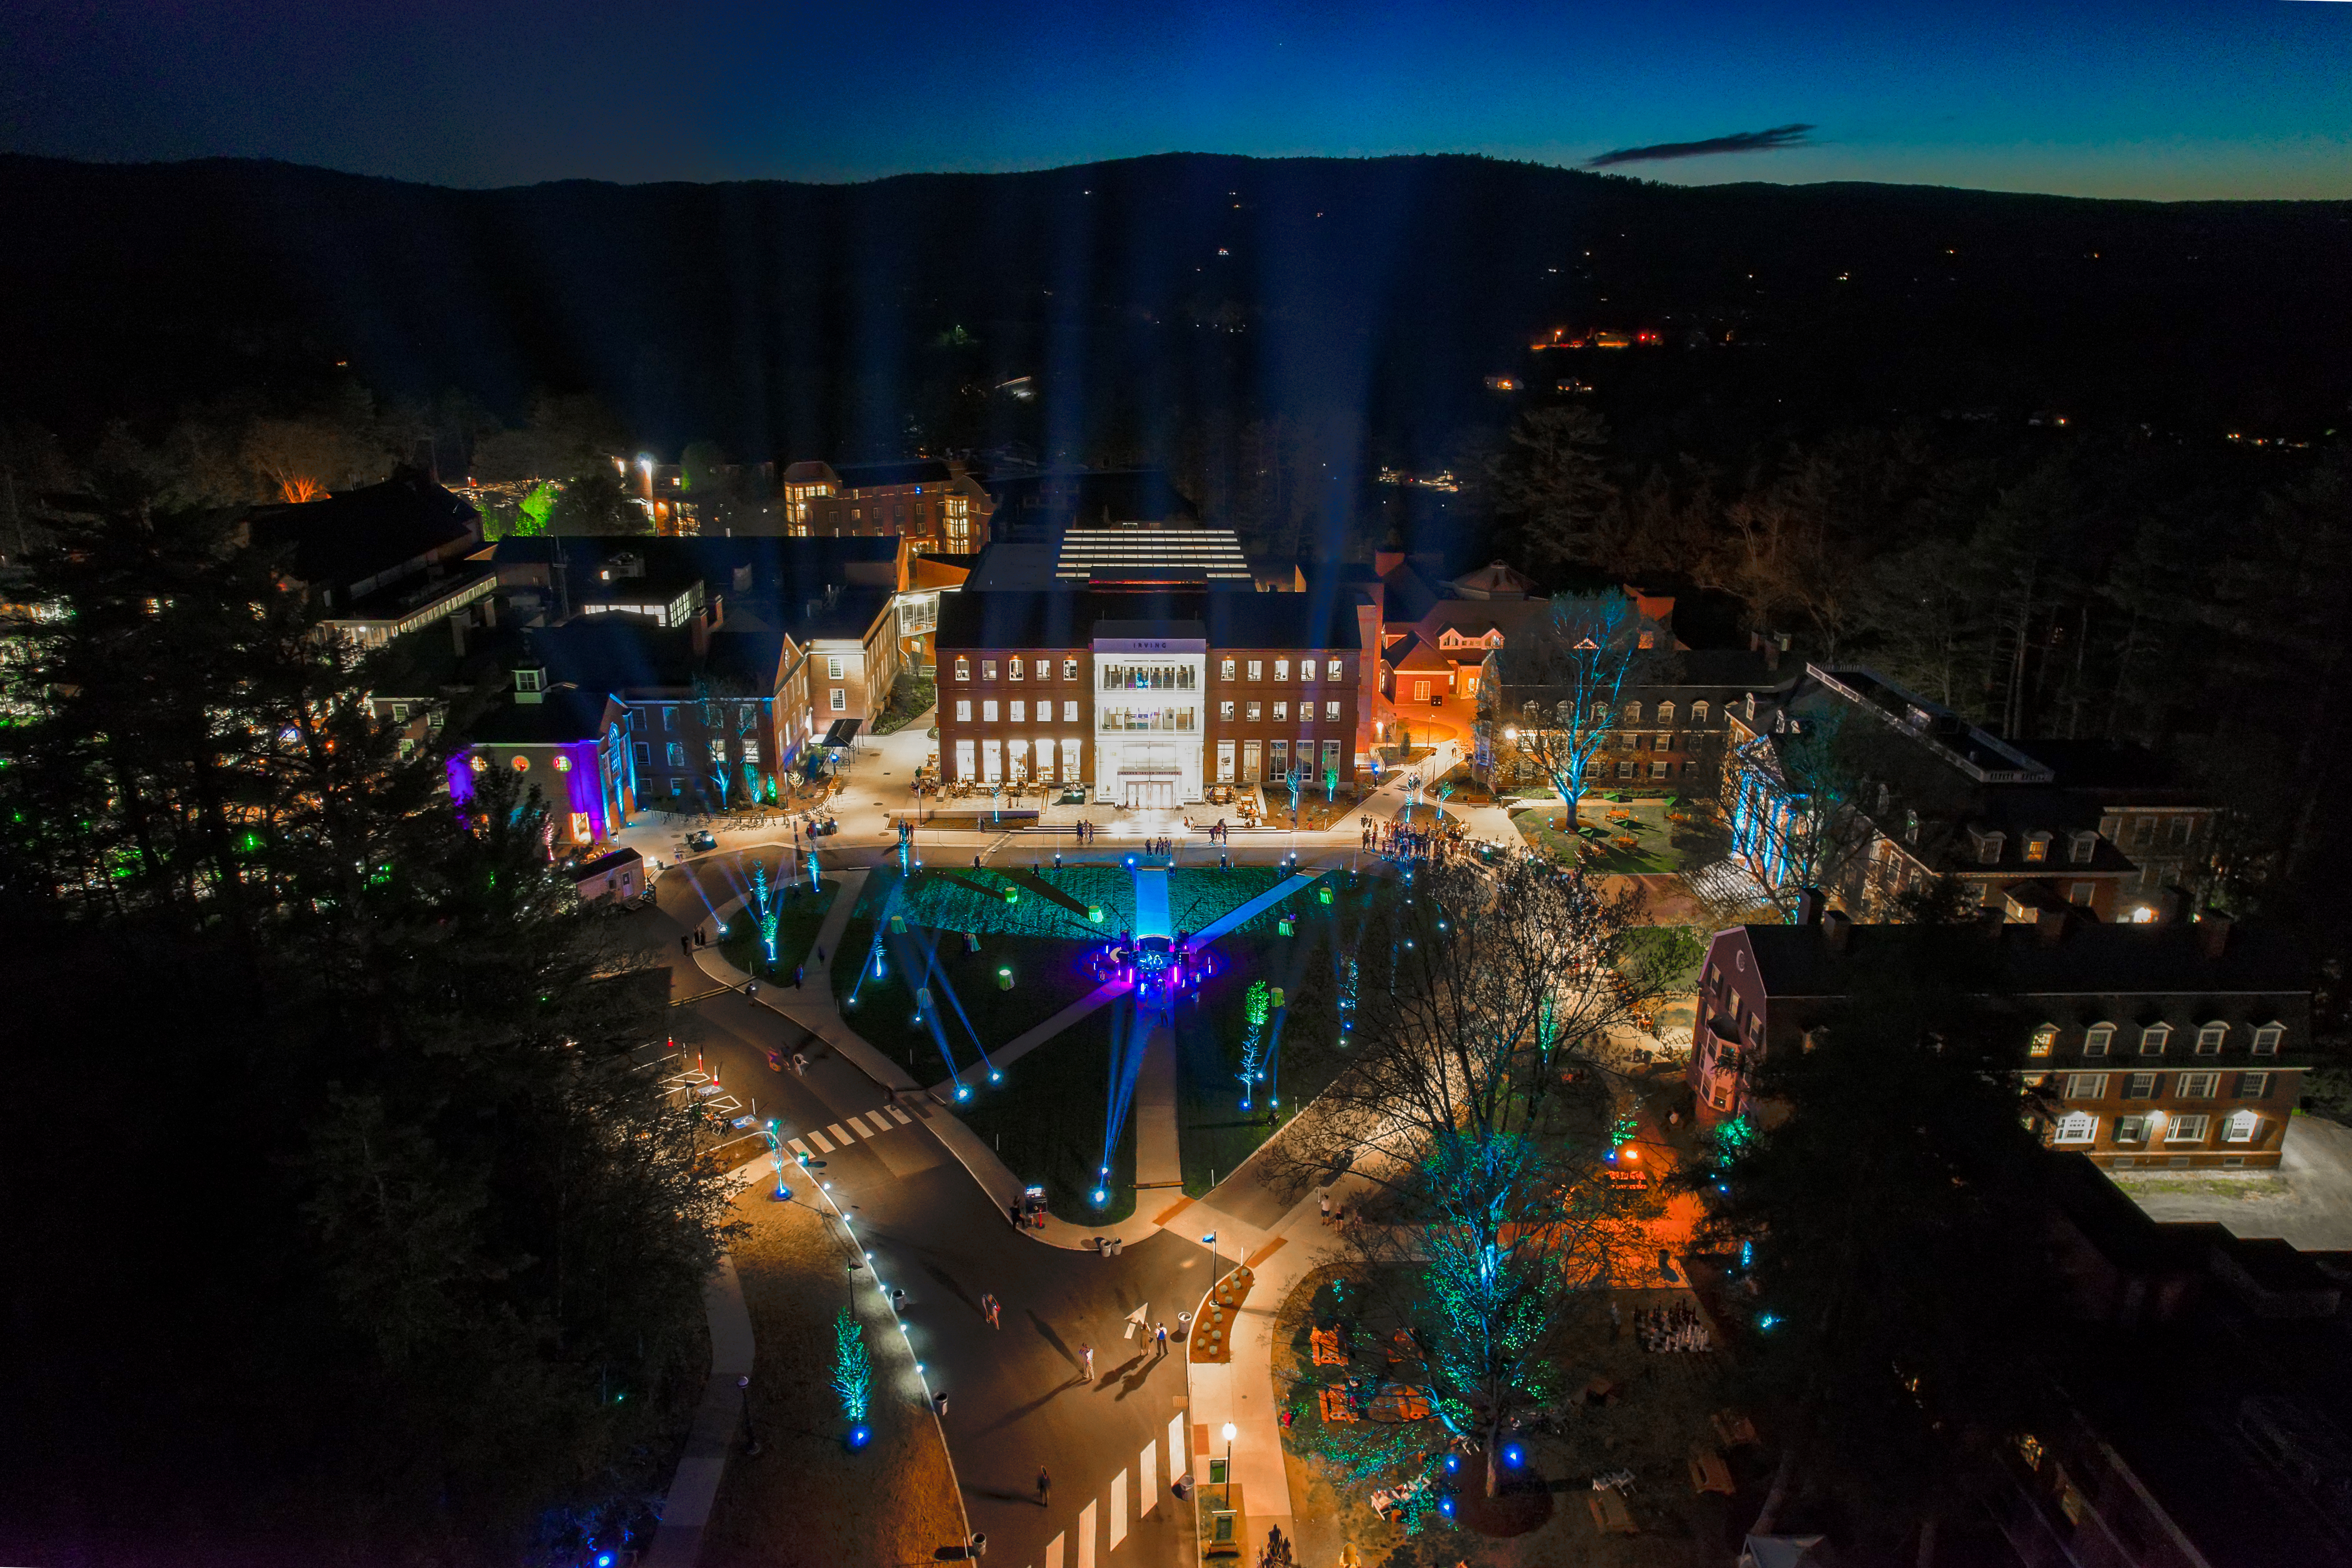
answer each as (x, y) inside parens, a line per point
(806, 1498)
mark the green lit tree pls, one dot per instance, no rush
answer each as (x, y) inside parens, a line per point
(853, 1369)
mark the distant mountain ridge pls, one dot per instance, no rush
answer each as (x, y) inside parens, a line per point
(1155, 292)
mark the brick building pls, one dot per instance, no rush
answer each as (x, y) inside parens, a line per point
(935, 501)
(2028, 826)
(2176, 1044)
(1148, 697)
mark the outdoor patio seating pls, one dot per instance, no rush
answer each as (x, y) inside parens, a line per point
(1610, 1514)
(1733, 1429)
(1337, 1404)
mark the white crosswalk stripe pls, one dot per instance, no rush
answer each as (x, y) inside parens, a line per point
(900, 1117)
(1087, 1536)
(798, 1147)
(863, 1131)
(1147, 1473)
(1177, 1458)
(821, 1146)
(838, 1135)
(1117, 1509)
(1054, 1552)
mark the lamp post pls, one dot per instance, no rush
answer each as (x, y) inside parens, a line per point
(1215, 1262)
(1229, 1463)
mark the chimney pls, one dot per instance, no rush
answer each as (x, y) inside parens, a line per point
(2172, 904)
(2050, 926)
(1389, 555)
(1837, 928)
(457, 632)
(1769, 646)
(2213, 933)
(1809, 904)
(699, 633)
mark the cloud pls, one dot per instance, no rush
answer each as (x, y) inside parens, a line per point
(1770, 140)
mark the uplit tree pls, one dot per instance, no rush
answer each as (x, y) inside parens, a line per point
(1554, 705)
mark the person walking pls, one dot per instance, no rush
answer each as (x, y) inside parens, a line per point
(799, 973)
(1323, 1202)
(685, 943)
(1088, 1351)
(1159, 1338)
(1045, 1487)
(992, 1308)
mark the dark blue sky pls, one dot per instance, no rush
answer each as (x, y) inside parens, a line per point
(2163, 98)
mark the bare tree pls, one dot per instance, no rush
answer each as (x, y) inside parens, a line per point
(1556, 701)
(1480, 1105)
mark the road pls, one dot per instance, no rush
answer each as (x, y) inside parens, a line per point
(1018, 1395)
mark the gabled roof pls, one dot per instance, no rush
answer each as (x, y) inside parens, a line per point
(366, 533)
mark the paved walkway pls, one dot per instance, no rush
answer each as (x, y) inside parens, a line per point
(2312, 1214)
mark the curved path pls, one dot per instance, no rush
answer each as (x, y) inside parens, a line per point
(930, 1199)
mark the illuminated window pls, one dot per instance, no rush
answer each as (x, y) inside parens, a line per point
(1069, 670)
(1257, 669)
(1281, 712)
(2240, 1127)
(963, 710)
(2077, 1127)
(1069, 712)
(1020, 714)
(840, 700)
(1420, 691)
(988, 712)
(2189, 1129)
(1253, 710)
(964, 756)
(1331, 670)
(1045, 669)
(962, 668)
(1225, 711)
(2044, 1039)
(1016, 669)
(1282, 670)
(1331, 712)
(833, 668)
(988, 670)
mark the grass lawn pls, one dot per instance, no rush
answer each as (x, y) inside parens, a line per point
(1215, 1135)
(1659, 845)
(1046, 1120)
(798, 914)
(806, 1498)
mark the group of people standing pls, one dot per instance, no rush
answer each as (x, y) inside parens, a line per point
(1408, 843)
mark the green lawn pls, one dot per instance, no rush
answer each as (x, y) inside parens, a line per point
(1215, 1135)
(798, 914)
(1046, 1120)
(1046, 1116)
(1659, 847)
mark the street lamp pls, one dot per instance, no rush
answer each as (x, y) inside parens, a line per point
(1229, 1463)
(1210, 1241)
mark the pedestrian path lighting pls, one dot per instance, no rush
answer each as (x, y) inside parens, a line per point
(1210, 1241)
(1229, 1463)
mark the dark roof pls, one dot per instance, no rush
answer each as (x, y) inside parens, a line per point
(880, 476)
(2110, 768)
(607, 653)
(1238, 620)
(2090, 959)
(849, 612)
(614, 861)
(363, 533)
(752, 655)
(1088, 498)
(781, 567)
(568, 713)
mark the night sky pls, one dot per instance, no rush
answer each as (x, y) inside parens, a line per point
(2159, 98)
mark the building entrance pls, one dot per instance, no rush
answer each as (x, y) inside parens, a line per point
(1146, 793)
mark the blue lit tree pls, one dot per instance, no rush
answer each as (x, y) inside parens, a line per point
(1455, 1104)
(1556, 704)
(853, 1369)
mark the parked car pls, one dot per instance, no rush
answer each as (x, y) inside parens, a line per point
(702, 841)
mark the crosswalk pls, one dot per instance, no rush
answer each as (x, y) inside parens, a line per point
(850, 1128)
(1095, 1520)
